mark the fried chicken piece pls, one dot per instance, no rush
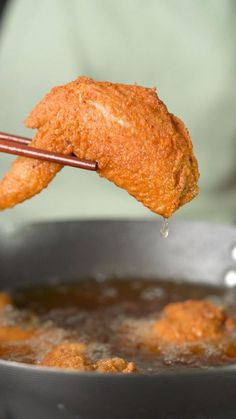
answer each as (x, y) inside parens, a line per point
(12, 351)
(115, 365)
(138, 144)
(5, 300)
(14, 333)
(72, 356)
(68, 355)
(192, 321)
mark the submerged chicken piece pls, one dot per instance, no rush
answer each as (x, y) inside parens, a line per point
(14, 333)
(137, 143)
(192, 321)
(15, 351)
(114, 365)
(9, 333)
(68, 355)
(72, 356)
(5, 300)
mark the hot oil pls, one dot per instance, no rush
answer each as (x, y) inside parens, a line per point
(165, 229)
(113, 318)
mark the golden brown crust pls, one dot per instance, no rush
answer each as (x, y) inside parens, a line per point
(191, 321)
(69, 356)
(138, 144)
(72, 356)
(115, 365)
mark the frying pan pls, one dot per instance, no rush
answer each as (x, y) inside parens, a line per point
(52, 252)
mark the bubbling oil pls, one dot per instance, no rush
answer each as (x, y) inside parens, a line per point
(113, 318)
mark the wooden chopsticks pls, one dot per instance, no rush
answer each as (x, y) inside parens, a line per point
(14, 144)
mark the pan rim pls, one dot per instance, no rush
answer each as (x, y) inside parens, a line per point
(38, 369)
(158, 220)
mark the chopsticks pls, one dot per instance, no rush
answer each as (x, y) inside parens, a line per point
(14, 144)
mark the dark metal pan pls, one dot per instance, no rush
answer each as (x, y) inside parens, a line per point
(51, 252)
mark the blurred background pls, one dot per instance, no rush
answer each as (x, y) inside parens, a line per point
(185, 48)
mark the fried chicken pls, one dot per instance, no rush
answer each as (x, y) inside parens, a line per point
(72, 356)
(114, 365)
(137, 143)
(14, 333)
(67, 355)
(191, 321)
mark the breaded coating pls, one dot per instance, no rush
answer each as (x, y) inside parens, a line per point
(68, 355)
(137, 143)
(72, 356)
(115, 365)
(192, 321)
(5, 300)
(14, 333)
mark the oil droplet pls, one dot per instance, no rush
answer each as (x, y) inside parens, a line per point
(165, 229)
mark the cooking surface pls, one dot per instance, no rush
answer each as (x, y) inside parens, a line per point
(113, 319)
